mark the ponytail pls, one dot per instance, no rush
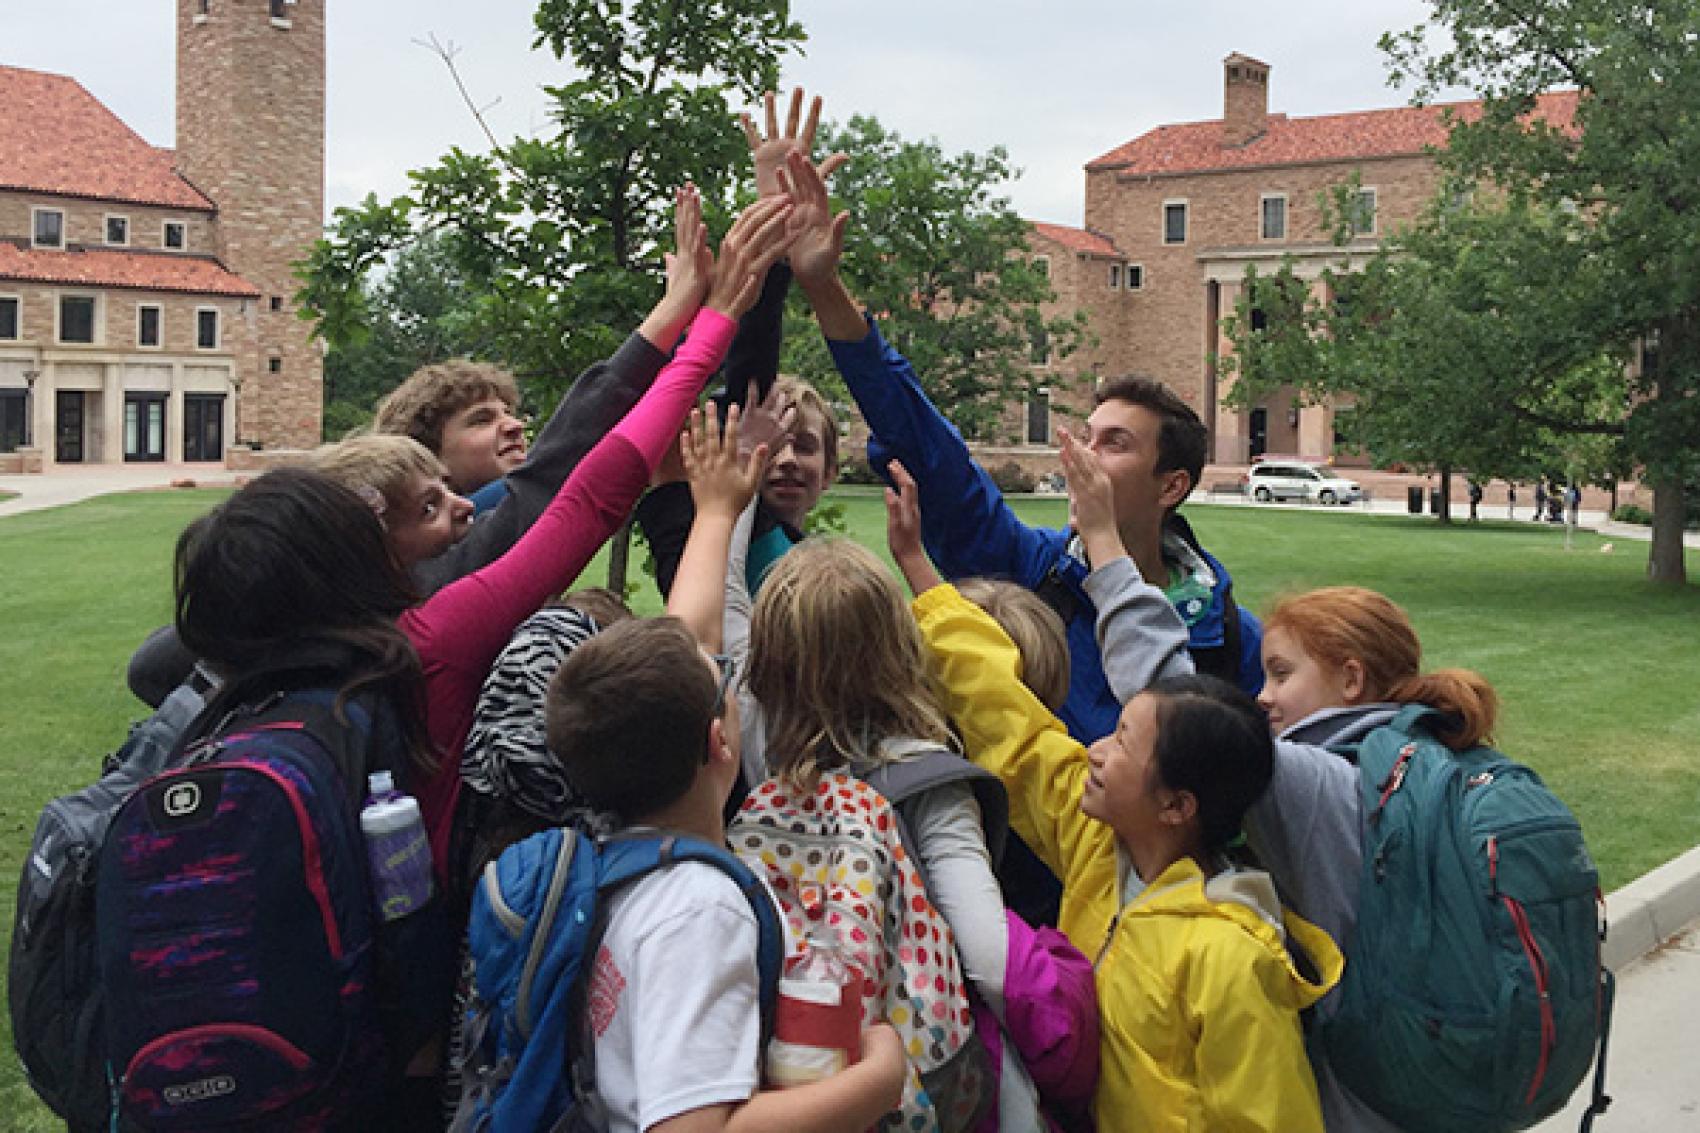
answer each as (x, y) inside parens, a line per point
(1468, 702)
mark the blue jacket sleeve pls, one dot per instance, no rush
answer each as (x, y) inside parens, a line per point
(967, 527)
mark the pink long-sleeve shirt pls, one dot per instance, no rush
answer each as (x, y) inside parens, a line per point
(459, 631)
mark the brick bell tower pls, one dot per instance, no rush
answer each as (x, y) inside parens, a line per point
(251, 136)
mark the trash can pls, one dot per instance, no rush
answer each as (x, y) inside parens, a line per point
(1414, 500)
(1434, 501)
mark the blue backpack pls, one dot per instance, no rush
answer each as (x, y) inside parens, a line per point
(1473, 996)
(235, 927)
(539, 910)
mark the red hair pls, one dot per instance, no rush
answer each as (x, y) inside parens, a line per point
(1348, 623)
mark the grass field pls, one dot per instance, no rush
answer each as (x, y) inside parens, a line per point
(1600, 673)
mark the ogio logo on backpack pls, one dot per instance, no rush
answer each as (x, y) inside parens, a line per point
(182, 800)
(214, 1087)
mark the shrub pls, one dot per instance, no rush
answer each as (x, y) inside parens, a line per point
(1011, 477)
(1629, 513)
(857, 470)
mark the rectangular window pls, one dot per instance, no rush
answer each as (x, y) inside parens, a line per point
(1115, 277)
(277, 302)
(206, 328)
(76, 318)
(144, 426)
(1039, 416)
(14, 405)
(1363, 213)
(274, 365)
(10, 310)
(1275, 217)
(49, 228)
(148, 318)
(175, 234)
(1174, 222)
(1136, 277)
(118, 230)
(1039, 346)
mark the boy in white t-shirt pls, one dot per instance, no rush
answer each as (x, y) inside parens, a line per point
(640, 720)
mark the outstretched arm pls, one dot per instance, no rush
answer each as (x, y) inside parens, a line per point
(593, 405)
(722, 485)
(969, 529)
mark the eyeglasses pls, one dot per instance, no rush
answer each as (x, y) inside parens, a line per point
(728, 667)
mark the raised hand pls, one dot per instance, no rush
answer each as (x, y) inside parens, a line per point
(770, 151)
(1091, 501)
(690, 266)
(723, 481)
(760, 235)
(819, 241)
(903, 531)
(768, 423)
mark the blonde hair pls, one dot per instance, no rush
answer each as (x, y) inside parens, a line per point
(1341, 623)
(1038, 633)
(810, 404)
(377, 467)
(837, 663)
(420, 406)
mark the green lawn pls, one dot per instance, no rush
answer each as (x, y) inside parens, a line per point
(1599, 672)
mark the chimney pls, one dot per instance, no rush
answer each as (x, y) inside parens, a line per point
(1245, 99)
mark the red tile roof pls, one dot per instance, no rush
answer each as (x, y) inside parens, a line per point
(1077, 239)
(143, 271)
(56, 137)
(1197, 147)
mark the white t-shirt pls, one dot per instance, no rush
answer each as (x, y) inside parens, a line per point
(674, 998)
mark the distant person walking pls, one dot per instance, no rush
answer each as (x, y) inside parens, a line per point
(1573, 504)
(1510, 501)
(1540, 499)
(1475, 500)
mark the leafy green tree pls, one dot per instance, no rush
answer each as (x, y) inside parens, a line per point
(559, 239)
(935, 252)
(1628, 172)
(1563, 296)
(419, 311)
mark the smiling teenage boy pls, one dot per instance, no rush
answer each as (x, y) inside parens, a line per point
(1150, 443)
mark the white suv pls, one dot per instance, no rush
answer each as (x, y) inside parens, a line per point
(1296, 480)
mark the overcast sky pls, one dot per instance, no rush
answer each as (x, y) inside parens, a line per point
(1057, 82)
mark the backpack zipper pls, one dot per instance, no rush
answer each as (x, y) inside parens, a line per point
(1537, 963)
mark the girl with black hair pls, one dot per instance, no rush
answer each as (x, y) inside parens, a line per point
(1198, 987)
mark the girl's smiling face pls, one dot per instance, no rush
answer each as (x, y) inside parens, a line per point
(1295, 684)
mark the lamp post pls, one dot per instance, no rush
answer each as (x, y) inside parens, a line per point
(29, 406)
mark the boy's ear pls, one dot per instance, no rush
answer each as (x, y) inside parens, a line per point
(1177, 484)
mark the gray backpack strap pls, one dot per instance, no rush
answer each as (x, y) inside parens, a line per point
(917, 768)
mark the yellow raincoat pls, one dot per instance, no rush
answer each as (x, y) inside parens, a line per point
(1197, 991)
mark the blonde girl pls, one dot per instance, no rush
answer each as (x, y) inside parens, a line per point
(836, 663)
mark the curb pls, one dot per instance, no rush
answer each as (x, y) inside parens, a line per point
(1651, 909)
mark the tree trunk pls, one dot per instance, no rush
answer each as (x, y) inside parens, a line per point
(1665, 560)
(1443, 513)
(619, 558)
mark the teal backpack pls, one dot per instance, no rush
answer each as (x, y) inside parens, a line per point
(1473, 996)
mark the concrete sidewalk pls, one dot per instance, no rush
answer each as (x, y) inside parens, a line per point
(69, 485)
(1651, 1072)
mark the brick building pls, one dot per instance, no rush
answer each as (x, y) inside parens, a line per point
(1175, 216)
(146, 295)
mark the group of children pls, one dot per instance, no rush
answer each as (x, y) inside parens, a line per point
(1107, 679)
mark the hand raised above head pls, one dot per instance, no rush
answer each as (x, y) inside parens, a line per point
(1091, 500)
(770, 151)
(903, 531)
(690, 265)
(819, 242)
(761, 234)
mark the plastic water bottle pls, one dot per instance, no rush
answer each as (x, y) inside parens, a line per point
(817, 1022)
(396, 847)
